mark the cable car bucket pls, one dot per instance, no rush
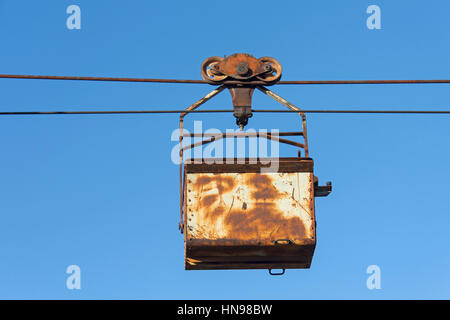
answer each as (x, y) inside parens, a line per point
(247, 213)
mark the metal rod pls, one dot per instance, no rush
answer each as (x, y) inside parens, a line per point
(242, 134)
(197, 104)
(219, 136)
(361, 111)
(319, 82)
(330, 111)
(289, 82)
(38, 77)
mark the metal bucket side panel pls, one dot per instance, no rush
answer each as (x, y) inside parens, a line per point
(250, 208)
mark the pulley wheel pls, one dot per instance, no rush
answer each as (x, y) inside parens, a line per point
(210, 71)
(275, 70)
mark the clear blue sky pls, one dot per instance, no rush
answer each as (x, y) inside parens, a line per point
(101, 192)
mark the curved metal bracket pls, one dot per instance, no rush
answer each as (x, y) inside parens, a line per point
(277, 273)
(289, 105)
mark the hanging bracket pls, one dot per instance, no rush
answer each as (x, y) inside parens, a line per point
(242, 104)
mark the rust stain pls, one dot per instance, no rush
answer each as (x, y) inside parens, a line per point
(263, 188)
(223, 184)
(258, 217)
(209, 200)
(230, 64)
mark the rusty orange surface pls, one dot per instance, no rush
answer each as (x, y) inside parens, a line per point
(250, 207)
(228, 66)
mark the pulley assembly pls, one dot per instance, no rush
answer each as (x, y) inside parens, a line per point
(239, 72)
(242, 67)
